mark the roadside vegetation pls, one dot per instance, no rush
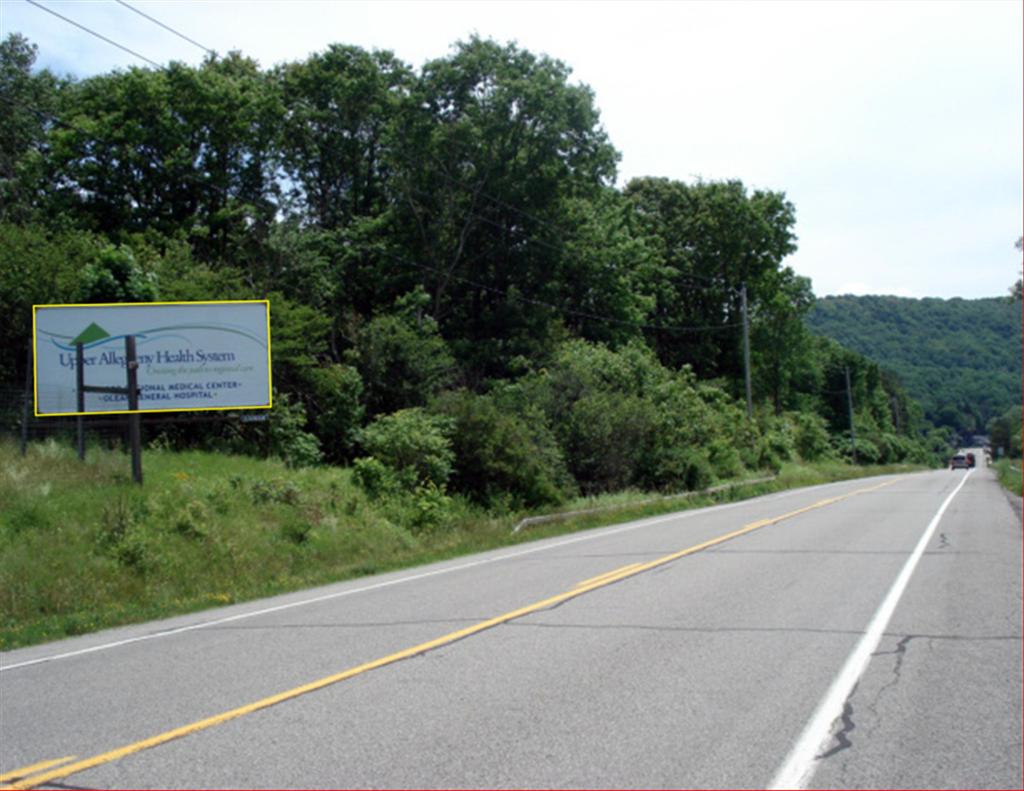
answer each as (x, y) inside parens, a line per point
(1009, 473)
(470, 322)
(85, 549)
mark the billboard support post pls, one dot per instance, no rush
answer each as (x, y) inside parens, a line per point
(134, 419)
(131, 392)
(26, 408)
(80, 378)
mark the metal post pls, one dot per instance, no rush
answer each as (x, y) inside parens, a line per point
(849, 406)
(134, 419)
(80, 377)
(746, 350)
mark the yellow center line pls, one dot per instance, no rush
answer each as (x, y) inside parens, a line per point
(27, 770)
(584, 587)
(600, 577)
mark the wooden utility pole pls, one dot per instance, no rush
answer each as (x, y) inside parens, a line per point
(849, 406)
(746, 351)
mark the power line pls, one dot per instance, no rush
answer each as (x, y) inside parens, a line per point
(405, 262)
(94, 33)
(560, 249)
(528, 300)
(166, 27)
(562, 310)
(444, 175)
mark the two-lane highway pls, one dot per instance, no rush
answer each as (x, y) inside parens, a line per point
(859, 634)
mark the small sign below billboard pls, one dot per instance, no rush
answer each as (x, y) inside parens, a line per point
(191, 356)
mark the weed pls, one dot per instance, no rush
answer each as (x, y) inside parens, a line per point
(116, 518)
(26, 515)
(192, 519)
(297, 530)
(280, 491)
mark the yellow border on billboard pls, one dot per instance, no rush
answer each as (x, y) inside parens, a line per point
(35, 379)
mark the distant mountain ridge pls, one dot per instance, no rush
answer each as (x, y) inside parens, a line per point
(959, 358)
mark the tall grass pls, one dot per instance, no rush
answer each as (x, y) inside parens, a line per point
(1009, 473)
(83, 548)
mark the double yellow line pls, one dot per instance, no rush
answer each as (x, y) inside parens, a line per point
(48, 771)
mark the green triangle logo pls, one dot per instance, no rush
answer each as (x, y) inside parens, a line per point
(94, 332)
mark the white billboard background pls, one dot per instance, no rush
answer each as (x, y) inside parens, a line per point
(192, 356)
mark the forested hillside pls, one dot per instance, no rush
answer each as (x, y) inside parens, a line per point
(462, 302)
(960, 359)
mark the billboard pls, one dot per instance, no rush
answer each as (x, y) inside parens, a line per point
(191, 356)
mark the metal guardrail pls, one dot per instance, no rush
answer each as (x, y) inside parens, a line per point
(536, 520)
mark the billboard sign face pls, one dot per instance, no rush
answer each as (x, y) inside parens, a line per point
(191, 356)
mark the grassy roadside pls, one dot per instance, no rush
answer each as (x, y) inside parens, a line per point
(83, 549)
(1009, 474)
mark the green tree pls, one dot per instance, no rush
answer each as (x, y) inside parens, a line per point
(37, 267)
(1017, 289)
(489, 144)
(115, 276)
(339, 106)
(27, 101)
(402, 358)
(181, 149)
(782, 350)
(710, 238)
(335, 398)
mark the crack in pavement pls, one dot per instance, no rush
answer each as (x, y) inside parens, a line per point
(901, 654)
(524, 624)
(842, 735)
(842, 740)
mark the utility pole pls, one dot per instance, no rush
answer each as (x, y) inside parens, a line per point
(849, 406)
(746, 350)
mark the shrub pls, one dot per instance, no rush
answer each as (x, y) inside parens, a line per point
(678, 467)
(810, 436)
(499, 456)
(413, 444)
(606, 439)
(374, 477)
(286, 436)
(335, 391)
(402, 358)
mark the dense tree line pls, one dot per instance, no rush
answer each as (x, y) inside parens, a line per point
(960, 359)
(461, 299)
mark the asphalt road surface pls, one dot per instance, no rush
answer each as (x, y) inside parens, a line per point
(859, 634)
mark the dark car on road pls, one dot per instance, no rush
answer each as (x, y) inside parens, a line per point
(959, 462)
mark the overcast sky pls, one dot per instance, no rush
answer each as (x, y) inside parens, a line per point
(895, 128)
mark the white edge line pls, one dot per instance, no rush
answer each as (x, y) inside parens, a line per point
(799, 765)
(351, 591)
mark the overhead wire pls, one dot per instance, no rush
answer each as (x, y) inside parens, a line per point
(560, 309)
(441, 171)
(166, 27)
(94, 33)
